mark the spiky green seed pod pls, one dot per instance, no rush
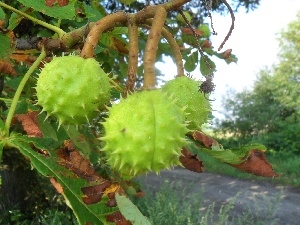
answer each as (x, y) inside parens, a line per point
(144, 132)
(73, 89)
(186, 91)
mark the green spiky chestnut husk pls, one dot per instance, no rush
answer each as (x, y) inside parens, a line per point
(186, 91)
(144, 132)
(73, 89)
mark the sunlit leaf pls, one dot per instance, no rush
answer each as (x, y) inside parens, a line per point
(227, 56)
(127, 2)
(191, 62)
(56, 11)
(130, 211)
(92, 13)
(207, 66)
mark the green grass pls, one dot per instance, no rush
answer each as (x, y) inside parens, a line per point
(50, 217)
(286, 165)
(175, 204)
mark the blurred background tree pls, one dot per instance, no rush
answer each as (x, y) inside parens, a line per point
(269, 112)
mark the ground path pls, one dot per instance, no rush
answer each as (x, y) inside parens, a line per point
(268, 203)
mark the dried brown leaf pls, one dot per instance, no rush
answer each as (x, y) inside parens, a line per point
(120, 46)
(186, 30)
(7, 68)
(61, 3)
(74, 161)
(191, 161)
(30, 123)
(93, 194)
(206, 140)
(257, 164)
(57, 185)
(227, 53)
(206, 44)
(117, 218)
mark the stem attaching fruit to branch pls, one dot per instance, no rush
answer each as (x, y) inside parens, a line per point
(173, 45)
(151, 47)
(133, 46)
(20, 89)
(56, 29)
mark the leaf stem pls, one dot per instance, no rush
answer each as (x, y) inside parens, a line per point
(20, 89)
(56, 29)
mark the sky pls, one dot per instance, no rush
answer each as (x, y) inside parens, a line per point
(253, 41)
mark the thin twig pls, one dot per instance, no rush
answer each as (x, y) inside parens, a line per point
(197, 42)
(232, 24)
(208, 8)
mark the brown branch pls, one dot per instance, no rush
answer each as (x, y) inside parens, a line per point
(76, 36)
(100, 26)
(173, 45)
(110, 21)
(133, 54)
(231, 27)
(150, 11)
(151, 47)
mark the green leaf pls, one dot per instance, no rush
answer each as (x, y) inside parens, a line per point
(123, 69)
(204, 68)
(106, 40)
(14, 20)
(14, 83)
(234, 156)
(191, 62)
(56, 11)
(92, 13)
(229, 58)
(2, 14)
(78, 139)
(226, 156)
(71, 184)
(7, 46)
(46, 128)
(180, 19)
(119, 31)
(130, 211)
(22, 107)
(127, 2)
(2, 126)
(1, 151)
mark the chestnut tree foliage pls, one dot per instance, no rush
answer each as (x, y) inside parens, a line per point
(84, 161)
(269, 113)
